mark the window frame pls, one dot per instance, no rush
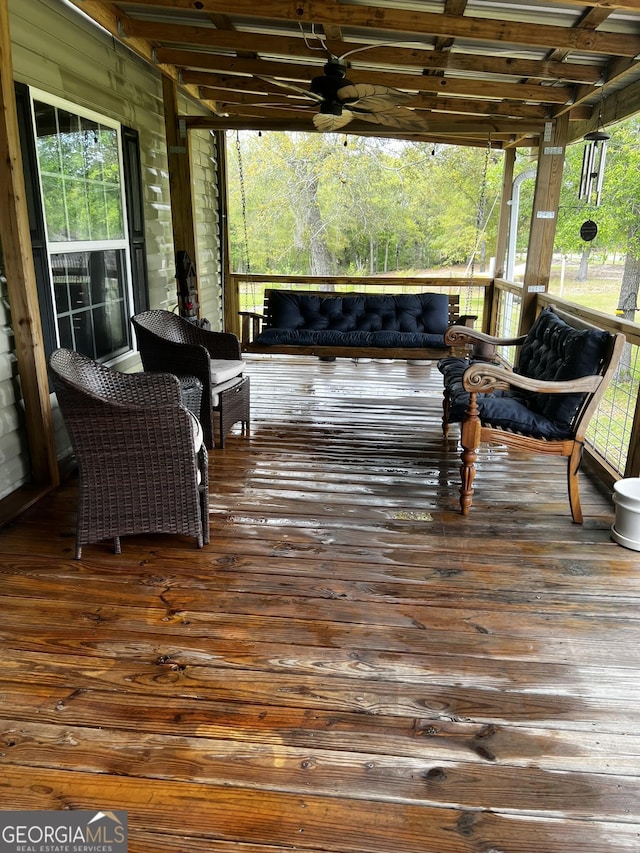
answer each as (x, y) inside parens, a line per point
(133, 243)
(68, 247)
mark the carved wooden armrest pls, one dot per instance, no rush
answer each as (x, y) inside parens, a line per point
(485, 378)
(461, 335)
(477, 344)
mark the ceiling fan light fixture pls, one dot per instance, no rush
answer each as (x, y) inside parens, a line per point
(331, 108)
(326, 85)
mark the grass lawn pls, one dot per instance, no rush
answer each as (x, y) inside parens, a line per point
(599, 292)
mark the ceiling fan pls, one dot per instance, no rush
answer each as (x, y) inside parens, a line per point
(340, 101)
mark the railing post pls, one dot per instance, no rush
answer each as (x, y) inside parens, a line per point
(632, 467)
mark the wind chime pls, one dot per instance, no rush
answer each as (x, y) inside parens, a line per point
(592, 174)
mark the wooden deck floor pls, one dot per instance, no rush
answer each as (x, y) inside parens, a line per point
(350, 666)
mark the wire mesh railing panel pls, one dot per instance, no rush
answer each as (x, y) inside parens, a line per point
(610, 430)
(508, 319)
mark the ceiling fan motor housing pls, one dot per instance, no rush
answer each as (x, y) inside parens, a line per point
(327, 85)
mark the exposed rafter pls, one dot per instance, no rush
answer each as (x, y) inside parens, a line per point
(508, 67)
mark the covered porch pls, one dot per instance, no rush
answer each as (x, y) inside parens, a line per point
(350, 665)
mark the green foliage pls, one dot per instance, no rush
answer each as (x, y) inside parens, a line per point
(297, 201)
(352, 205)
(618, 213)
(79, 167)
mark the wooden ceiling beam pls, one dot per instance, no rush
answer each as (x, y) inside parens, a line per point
(451, 7)
(543, 69)
(426, 59)
(592, 96)
(229, 83)
(591, 20)
(465, 87)
(392, 20)
(412, 82)
(573, 38)
(432, 121)
(439, 132)
(207, 5)
(229, 96)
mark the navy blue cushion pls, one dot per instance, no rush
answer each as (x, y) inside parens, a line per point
(508, 410)
(417, 313)
(357, 338)
(554, 351)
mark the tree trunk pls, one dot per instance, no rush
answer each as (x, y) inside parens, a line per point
(320, 260)
(627, 300)
(628, 297)
(583, 270)
(305, 202)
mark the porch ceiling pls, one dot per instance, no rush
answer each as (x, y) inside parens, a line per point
(471, 67)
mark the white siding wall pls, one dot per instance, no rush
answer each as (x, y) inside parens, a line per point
(205, 203)
(14, 456)
(58, 51)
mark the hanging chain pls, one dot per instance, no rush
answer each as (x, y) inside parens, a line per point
(243, 197)
(482, 204)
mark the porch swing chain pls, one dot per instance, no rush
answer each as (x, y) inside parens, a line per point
(243, 197)
(482, 203)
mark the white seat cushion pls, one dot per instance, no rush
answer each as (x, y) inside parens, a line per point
(223, 369)
(198, 435)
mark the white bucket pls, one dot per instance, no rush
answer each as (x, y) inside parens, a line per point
(626, 528)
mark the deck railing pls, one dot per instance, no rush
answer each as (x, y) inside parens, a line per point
(614, 434)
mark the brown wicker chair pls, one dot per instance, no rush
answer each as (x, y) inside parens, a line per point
(143, 467)
(170, 344)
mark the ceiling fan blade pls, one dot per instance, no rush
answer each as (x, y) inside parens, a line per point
(372, 97)
(291, 87)
(401, 118)
(326, 122)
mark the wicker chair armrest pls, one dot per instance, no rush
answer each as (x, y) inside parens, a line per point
(182, 359)
(148, 390)
(217, 344)
(489, 377)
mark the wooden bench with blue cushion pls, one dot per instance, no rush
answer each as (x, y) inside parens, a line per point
(544, 404)
(332, 324)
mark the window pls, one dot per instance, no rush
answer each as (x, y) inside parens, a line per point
(85, 231)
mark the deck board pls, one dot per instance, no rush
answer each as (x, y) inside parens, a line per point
(350, 665)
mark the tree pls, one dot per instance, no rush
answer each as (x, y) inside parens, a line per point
(312, 203)
(622, 182)
(617, 217)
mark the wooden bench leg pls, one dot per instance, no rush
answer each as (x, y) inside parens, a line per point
(470, 440)
(573, 466)
(446, 411)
